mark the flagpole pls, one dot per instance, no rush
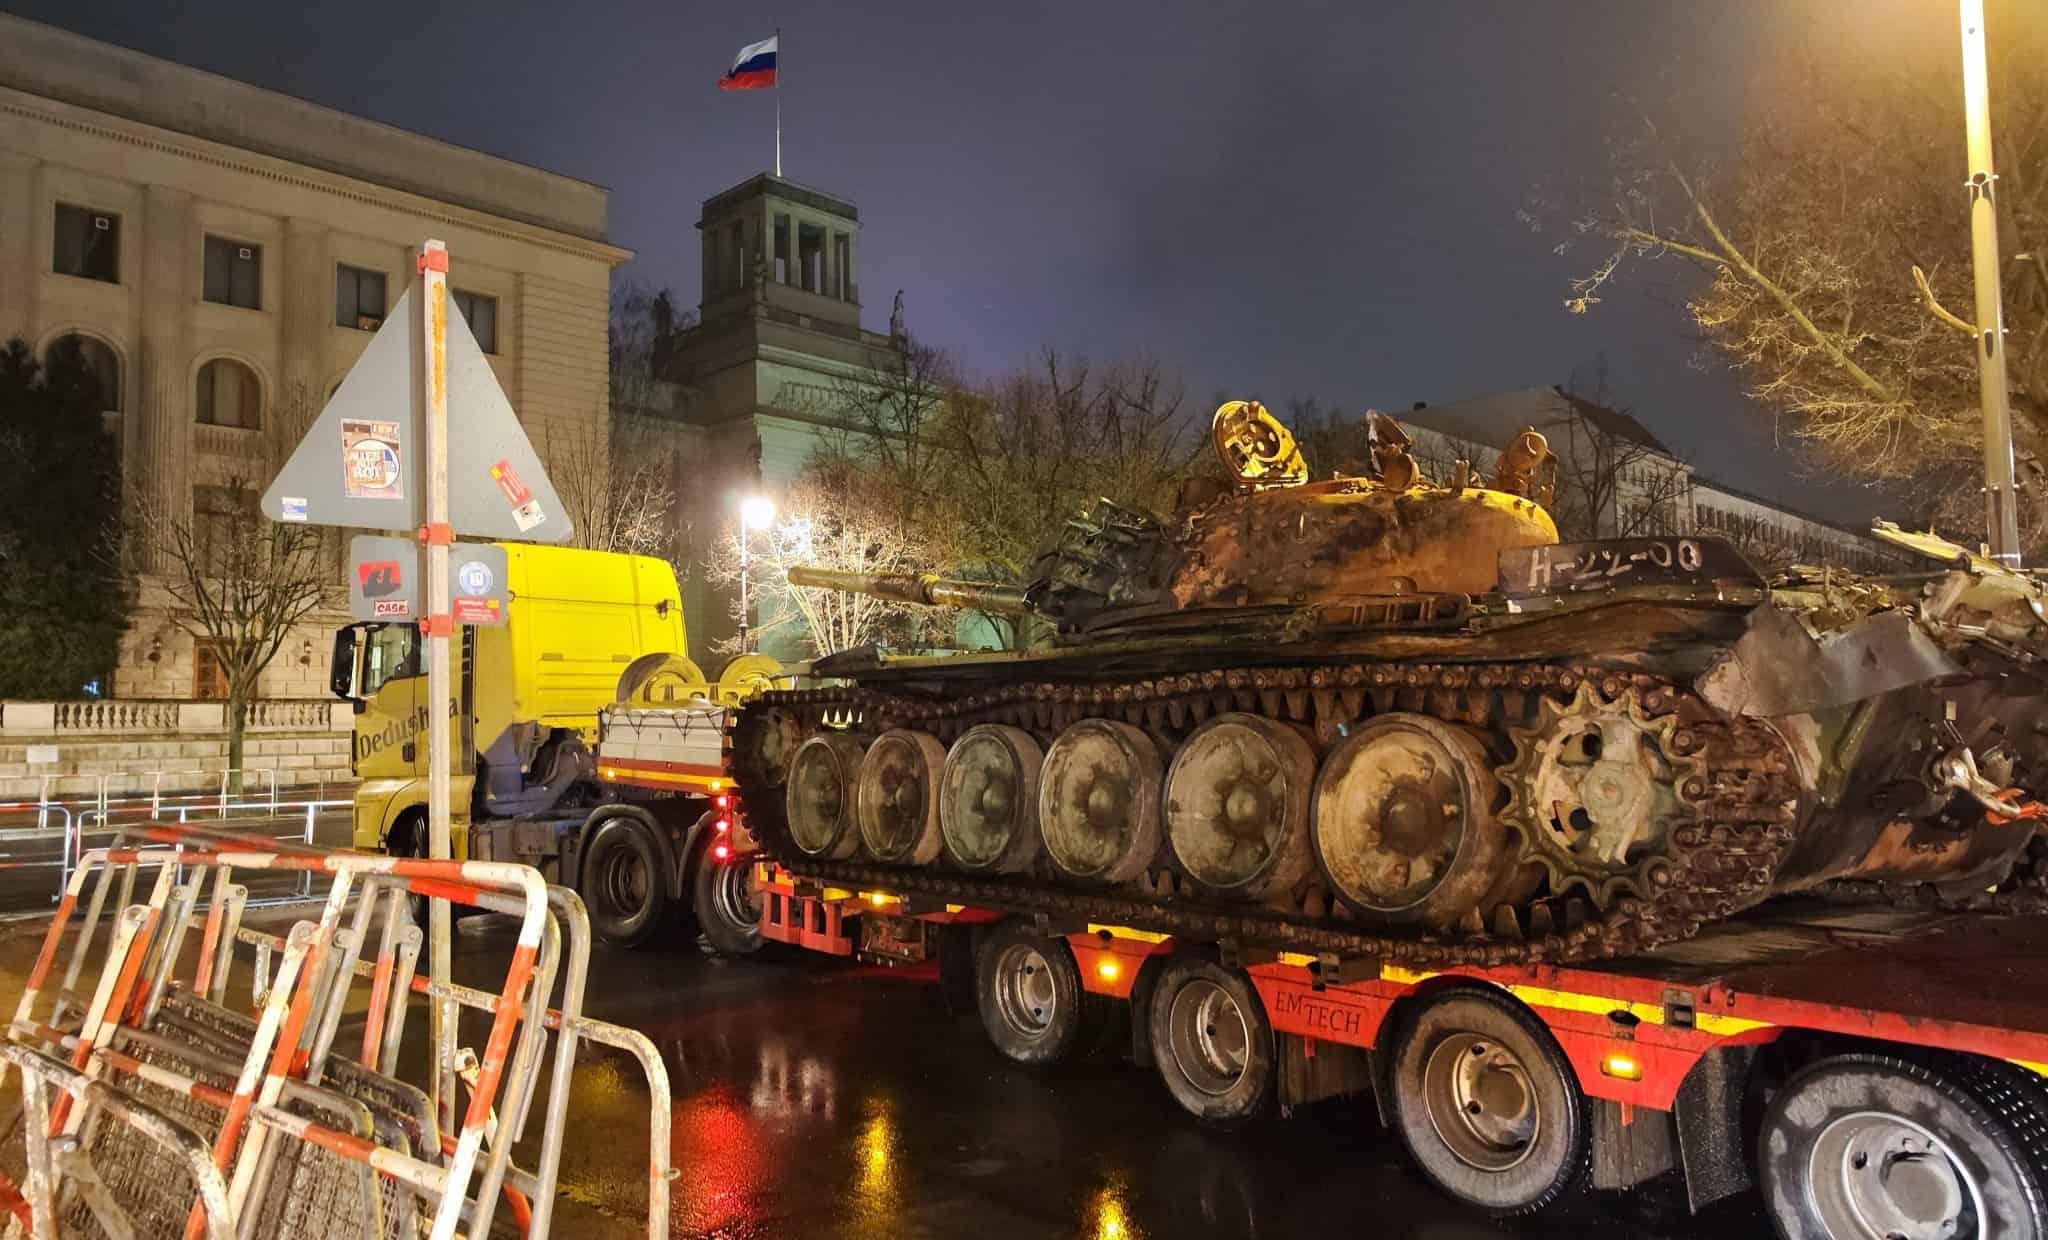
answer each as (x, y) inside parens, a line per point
(778, 101)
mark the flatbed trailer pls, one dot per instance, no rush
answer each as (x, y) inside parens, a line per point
(1875, 1071)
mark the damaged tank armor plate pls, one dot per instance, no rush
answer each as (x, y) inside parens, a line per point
(1383, 716)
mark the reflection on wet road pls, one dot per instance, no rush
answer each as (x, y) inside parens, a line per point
(813, 1099)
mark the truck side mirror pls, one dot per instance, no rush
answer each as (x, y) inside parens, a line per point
(341, 668)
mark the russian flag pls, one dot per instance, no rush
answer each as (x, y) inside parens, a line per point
(753, 68)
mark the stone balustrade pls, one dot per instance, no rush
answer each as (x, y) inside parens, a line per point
(68, 749)
(147, 717)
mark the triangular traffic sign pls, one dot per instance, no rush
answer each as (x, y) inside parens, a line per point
(362, 463)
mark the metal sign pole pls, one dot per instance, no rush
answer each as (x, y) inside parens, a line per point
(2001, 498)
(437, 625)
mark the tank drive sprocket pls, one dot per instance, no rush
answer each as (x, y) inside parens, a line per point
(1596, 788)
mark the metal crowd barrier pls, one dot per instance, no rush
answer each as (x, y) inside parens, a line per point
(155, 1106)
(101, 816)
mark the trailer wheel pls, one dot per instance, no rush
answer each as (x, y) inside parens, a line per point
(623, 884)
(1486, 1102)
(1211, 1041)
(1028, 990)
(728, 911)
(1874, 1146)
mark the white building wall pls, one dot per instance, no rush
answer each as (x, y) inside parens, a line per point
(177, 155)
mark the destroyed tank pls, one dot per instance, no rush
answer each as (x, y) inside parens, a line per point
(1392, 717)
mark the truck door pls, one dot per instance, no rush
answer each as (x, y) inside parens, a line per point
(391, 693)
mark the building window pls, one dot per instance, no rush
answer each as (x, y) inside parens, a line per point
(234, 273)
(209, 674)
(481, 313)
(358, 298)
(97, 363)
(88, 244)
(229, 395)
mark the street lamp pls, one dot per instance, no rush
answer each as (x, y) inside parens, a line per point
(756, 511)
(2001, 497)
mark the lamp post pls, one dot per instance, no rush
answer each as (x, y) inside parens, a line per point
(2001, 498)
(756, 511)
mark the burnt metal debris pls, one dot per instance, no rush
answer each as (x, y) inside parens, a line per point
(1389, 717)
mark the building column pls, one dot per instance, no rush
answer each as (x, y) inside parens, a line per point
(853, 266)
(306, 288)
(21, 182)
(162, 462)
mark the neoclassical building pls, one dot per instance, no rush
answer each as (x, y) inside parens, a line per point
(223, 254)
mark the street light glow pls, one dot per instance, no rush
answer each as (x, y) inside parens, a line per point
(756, 511)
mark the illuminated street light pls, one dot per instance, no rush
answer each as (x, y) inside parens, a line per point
(756, 511)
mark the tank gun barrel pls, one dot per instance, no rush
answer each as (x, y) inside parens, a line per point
(928, 589)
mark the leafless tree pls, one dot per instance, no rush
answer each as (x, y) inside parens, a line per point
(645, 332)
(617, 485)
(1836, 249)
(236, 582)
(889, 419)
(836, 519)
(1027, 453)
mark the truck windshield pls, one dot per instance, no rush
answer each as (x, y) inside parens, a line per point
(390, 651)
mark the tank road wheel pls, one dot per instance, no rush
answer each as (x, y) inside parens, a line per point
(1871, 1147)
(1404, 828)
(897, 799)
(1237, 805)
(1211, 1041)
(1486, 1102)
(820, 798)
(1028, 990)
(1098, 801)
(989, 804)
(1595, 791)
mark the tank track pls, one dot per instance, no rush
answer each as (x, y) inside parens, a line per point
(2023, 892)
(1718, 863)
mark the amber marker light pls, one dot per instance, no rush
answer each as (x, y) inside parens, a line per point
(1109, 970)
(1621, 1067)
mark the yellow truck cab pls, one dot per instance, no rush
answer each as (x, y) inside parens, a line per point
(583, 630)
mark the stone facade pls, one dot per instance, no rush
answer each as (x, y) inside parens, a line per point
(76, 751)
(756, 380)
(223, 251)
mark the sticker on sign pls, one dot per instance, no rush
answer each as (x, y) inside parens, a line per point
(294, 508)
(369, 459)
(391, 608)
(467, 610)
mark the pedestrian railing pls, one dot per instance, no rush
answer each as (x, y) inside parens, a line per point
(156, 1104)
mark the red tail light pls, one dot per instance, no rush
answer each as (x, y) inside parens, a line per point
(721, 800)
(722, 852)
(722, 825)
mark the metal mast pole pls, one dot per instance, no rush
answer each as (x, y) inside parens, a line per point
(2001, 498)
(745, 611)
(437, 626)
(778, 118)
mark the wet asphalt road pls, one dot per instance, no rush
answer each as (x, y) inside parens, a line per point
(814, 1098)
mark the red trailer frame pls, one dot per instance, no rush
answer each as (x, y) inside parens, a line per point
(1635, 1031)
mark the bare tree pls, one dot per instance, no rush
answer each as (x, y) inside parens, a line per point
(646, 328)
(617, 486)
(1028, 453)
(1836, 250)
(889, 415)
(831, 518)
(237, 583)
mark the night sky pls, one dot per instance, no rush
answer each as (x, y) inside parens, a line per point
(1276, 199)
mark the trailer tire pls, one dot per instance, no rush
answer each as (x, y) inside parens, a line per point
(726, 906)
(623, 882)
(1873, 1144)
(1211, 1041)
(1488, 1106)
(1028, 991)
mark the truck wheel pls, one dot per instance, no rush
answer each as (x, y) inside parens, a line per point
(1028, 990)
(1866, 1145)
(1486, 1102)
(623, 884)
(1211, 1041)
(728, 911)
